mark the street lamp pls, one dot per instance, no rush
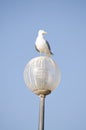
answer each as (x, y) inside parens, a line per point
(42, 76)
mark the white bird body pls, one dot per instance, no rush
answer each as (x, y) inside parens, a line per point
(42, 45)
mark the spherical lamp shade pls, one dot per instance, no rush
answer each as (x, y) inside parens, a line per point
(42, 75)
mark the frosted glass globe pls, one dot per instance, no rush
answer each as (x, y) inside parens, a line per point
(42, 75)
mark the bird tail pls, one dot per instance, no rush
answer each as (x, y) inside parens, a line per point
(51, 53)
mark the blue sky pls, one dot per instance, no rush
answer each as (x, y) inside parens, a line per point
(65, 22)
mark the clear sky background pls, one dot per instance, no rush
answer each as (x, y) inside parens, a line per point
(65, 22)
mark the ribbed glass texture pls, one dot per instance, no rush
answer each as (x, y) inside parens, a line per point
(42, 73)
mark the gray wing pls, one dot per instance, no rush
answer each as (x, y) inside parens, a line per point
(49, 47)
(36, 48)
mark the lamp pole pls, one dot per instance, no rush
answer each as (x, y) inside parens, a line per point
(41, 112)
(42, 76)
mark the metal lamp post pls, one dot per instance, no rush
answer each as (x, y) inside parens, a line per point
(42, 76)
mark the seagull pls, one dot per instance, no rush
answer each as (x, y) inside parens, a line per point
(42, 45)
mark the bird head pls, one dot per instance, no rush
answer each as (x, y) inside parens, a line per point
(42, 32)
